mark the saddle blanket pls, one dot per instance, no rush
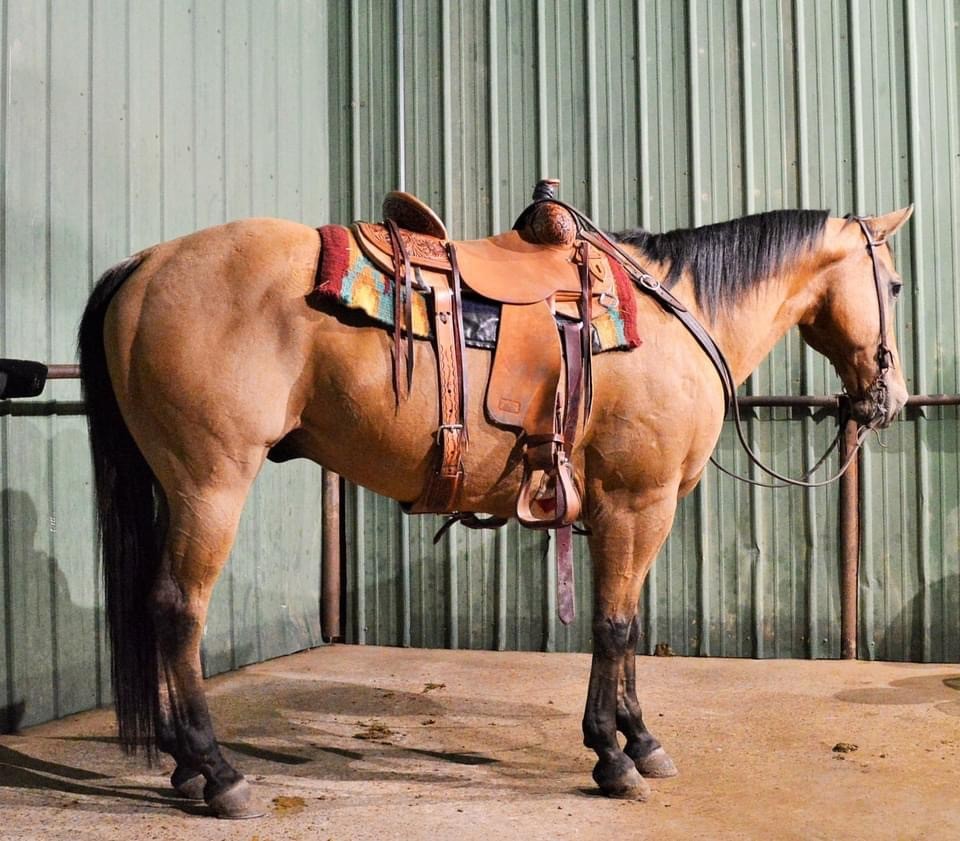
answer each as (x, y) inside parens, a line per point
(347, 277)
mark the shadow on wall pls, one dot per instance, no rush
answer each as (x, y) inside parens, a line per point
(51, 663)
(909, 632)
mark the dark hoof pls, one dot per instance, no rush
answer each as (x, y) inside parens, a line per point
(657, 764)
(188, 786)
(620, 778)
(235, 803)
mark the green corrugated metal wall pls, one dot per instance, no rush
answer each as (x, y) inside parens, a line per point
(125, 123)
(667, 114)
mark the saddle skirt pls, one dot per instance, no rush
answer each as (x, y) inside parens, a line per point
(346, 276)
(555, 292)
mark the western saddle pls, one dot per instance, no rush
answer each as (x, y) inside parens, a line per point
(540, 381)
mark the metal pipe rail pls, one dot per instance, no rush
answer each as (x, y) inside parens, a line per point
(331, 562)
(834, 401)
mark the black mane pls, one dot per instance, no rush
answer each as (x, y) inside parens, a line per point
(729, 259)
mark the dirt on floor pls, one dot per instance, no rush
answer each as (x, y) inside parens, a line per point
(347, 743)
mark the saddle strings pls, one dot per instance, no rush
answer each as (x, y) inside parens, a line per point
(651, 286)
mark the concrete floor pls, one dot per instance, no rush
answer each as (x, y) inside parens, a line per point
(374, 743)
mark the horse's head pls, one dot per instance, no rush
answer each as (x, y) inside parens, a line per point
(851, 322)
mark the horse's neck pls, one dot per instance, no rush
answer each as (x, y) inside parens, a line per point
(747, 331)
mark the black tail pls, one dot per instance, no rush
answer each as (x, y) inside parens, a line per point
(129, 527)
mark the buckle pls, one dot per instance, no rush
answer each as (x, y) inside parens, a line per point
(448, 427)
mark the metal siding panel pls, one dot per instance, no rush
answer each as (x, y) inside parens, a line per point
(315, 101)
(30, 598)
(8, 697)
(913, 555)
(517, 146)
(704, 111)
(179, 114)
(79, 616)
(120, 127)
(144, 124)
(470, 214)
(760, 114)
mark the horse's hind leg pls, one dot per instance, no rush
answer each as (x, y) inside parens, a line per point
(202, 525)
(645, 751)
(187, 779)
(627, 534)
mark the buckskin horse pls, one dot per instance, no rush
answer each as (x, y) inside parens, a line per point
(203, 355)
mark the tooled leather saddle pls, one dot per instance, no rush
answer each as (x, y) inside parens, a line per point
(540, 382)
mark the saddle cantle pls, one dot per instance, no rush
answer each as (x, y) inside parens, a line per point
(540, 381)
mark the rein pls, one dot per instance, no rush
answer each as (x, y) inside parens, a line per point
(648, 284)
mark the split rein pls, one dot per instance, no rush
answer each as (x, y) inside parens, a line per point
(651, 286)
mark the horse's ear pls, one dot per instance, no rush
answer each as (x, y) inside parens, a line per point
(886, 226)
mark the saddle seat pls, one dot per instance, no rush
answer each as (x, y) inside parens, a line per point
(515, 267)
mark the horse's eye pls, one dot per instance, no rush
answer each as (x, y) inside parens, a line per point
(895, 287)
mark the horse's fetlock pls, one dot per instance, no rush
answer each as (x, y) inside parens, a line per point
(640, 746)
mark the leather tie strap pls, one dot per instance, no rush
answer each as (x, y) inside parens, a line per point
(460, 341)
(565, 588)
(586, 335)
(402, 313)
(572, 351)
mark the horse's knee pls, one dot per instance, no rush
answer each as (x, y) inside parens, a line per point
(611, 636)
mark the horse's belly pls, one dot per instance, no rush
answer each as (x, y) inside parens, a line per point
(352, 423)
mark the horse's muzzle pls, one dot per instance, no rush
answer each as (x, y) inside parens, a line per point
(879, 405)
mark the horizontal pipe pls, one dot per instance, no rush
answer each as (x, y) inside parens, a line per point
(833, 402)
(63, 372)
(934, 400)
(769, 401)
(41, 408)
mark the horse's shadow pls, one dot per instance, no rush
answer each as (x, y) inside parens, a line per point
(904, 636)
(23, 772)
(328, 731)
(40, 667)
(51, 660)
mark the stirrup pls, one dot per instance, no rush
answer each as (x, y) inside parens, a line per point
(548, 495)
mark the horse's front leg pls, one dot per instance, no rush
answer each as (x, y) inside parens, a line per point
(627, 533)
(642, 747)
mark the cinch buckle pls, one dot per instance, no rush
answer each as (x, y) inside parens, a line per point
(448, 427)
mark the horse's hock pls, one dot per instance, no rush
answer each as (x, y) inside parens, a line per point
(373, 743)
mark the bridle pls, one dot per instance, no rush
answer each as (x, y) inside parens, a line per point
(649, 285)
(884, 353)
(878, 389)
